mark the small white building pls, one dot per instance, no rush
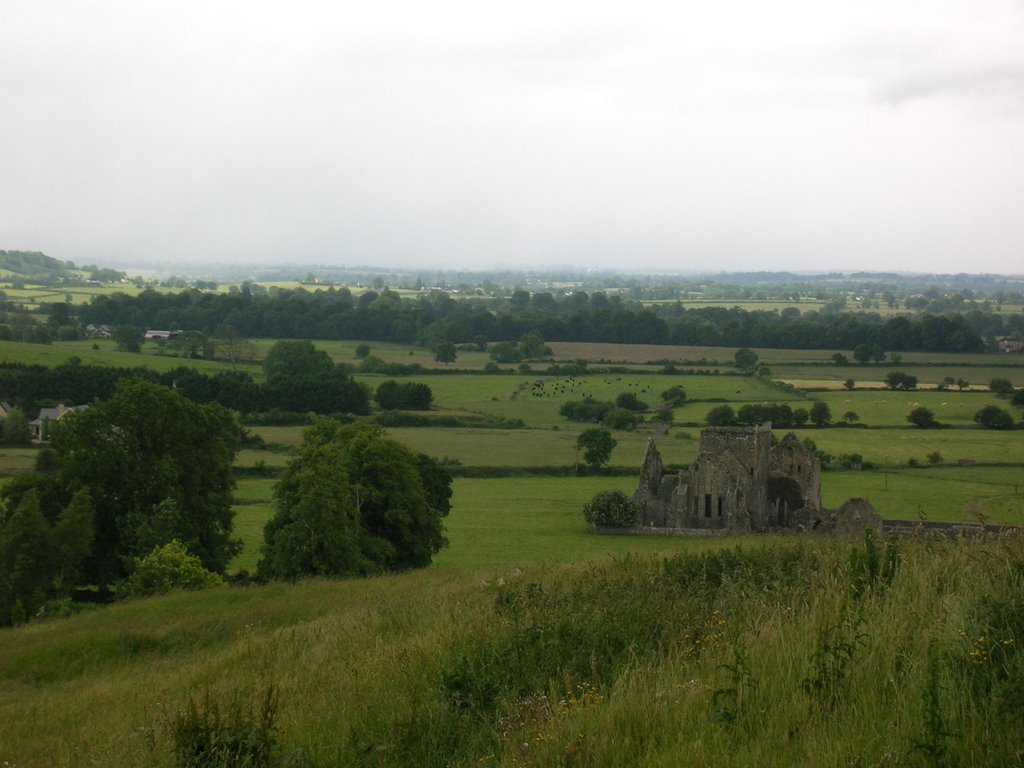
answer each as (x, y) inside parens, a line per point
(155, 335)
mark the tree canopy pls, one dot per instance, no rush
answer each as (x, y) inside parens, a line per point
(334, 313)
(993, 417)
(922, 417)
(157, 467)
(352, 502)
(821, 414)
(900, 380)
(301, 377)
(597, 445)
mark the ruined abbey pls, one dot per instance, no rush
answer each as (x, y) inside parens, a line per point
(740, 483)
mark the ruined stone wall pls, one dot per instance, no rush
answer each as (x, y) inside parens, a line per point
(740, 483)
(727, 482)
(790, 458)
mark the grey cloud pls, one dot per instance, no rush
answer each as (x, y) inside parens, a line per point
(1003, 83)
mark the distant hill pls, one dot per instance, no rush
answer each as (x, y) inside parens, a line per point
(34, 264)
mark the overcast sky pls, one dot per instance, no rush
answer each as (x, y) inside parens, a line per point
(738, 134)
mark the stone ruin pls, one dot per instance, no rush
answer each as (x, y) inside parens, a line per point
(741, 483)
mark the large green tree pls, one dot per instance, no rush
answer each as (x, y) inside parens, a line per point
(40, 560)
(352, 501)
(296, 358)
(14, 429)
(128, 338)
(745, 359)
(821, 414)
(26, 561)
(301, 377)
(597, 445)
(157, 467)
(993, 417)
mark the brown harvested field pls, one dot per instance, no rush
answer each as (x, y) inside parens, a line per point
(645, 353)
(635, 353)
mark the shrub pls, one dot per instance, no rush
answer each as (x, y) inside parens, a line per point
(922, 417)
(620, 418)
(408, 396)
(1002, 387)
(506, 352)
(721, 416)
(993, 417)
(587, 409)
(897, 380)
(597, 445)
(630, 402)
(612, 508)
(850, 460)
(242, 734)
(779, 414)
(14, 430)
(745, 359)
(821, 415)
(166, 568)
(46, 461)
(674, 396)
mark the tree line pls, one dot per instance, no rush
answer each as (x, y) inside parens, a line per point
(298, 377)
(336, 313)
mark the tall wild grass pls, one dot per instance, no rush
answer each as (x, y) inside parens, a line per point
(794, 652)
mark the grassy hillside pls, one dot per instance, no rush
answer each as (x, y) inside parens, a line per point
(775, 655)
(28, 264)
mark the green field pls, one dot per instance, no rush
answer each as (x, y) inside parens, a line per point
(531, 641)
(547, 526)
(884, 408)
(898, 446)
(803, 367)
(106, 353)
(532, 447)
(928, 376)
(536, 399)
(253, 508)
(16, 459)
(813, 358)
(949, 494)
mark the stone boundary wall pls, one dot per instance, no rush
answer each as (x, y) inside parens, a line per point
(899, 527)
(606, 530)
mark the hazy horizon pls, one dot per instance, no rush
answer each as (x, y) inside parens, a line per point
(796, 137)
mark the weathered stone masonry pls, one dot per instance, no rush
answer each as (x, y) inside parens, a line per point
(741, 483)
